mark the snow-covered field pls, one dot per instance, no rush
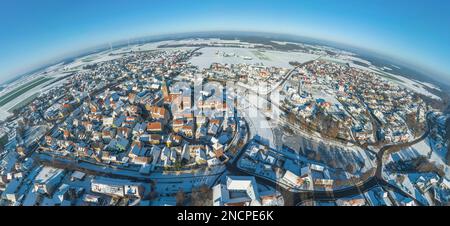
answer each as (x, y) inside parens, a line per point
(318, 92)
(343, 154)
(206, 41)
(91, 59)
(258, 123)
(423, 149)
(411, 84)
(350, 58)
(416, 86)
(249, 56)
(4, 110)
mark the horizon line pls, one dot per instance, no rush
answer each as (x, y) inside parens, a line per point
(423, 69)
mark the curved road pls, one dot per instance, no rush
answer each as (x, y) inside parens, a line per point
(297, 198)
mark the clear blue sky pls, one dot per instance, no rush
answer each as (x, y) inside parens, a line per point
(34, 32)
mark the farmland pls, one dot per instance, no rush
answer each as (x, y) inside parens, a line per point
(22, 89)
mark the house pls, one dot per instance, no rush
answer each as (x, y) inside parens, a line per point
(214, 126)
(445, 184)
(118, 145)
(108, 121)
(200, 156)
(408, 202)
(213, 162)
(89, 198)
(201, 132)
(186, 102)
(317, 168)
(124, 132)
(141, 160)
(155, 153)
(117, 188)
(296, 180)
(77, 175)
(11, 190)
(218, 149)
(155, 127)
(185, 154)
(238, 191)
(62, 193)
(176, 140)
(165, 154)
(136, 150)
(201, 120)
(158, 113)
(351, 202)
(177, 124)
(153, 139)
(108, 157)
(324, 182)
(48, 179)
(94, 199)
(145, 169)
(187, 130)
(108, 134)
(167, 162)
(139, 128)
(173, 155)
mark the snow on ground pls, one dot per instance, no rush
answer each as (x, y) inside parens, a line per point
(414, 85)
(423, 148)
(194, 41)
(4, 110)
(257, 122)
(350, 58)
(376, 197)
(413, 152)
(431, 86)
(386, 68)
(215, 42)
(4, 114)
(250, 56)
(141, 47)
(411, 84)
(148, 47)
(91, 59)
(334, 59)
(395, 66)
(113, 54)
(319, 92)
(8, 161)
(408, 185)
(285, 43)
(342, 155)
(204, 41)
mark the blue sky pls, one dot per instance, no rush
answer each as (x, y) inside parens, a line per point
(34, 32)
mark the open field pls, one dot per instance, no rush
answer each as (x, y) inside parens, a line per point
(260, 55)
(236, 55)
(390, 77)
(24, 102)
(22, 89)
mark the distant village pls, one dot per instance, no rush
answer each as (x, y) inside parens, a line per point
(135, 130)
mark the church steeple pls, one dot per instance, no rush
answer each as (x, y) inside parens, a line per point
(164, 89)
